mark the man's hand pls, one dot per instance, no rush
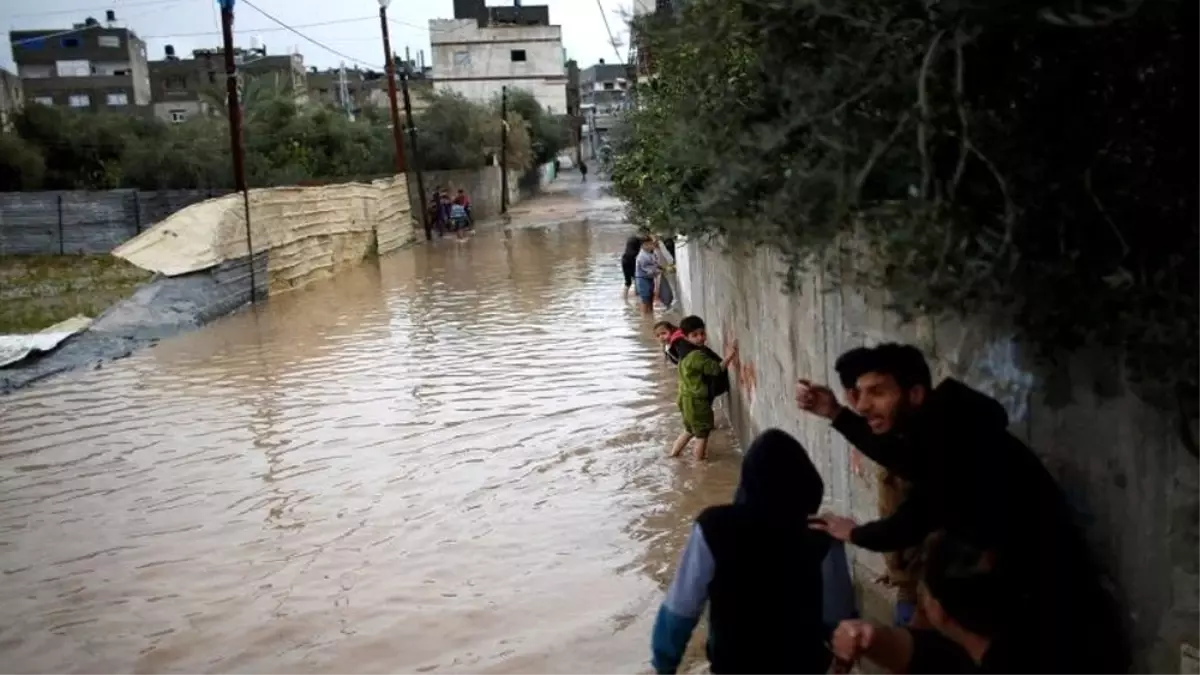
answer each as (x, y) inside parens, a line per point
(817, 399)
(838, 527)
(851, 639)
(731, 350)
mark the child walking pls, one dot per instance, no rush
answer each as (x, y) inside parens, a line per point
(774, 591)
(645, 275)
(697, 369)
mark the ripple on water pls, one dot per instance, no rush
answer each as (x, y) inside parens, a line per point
(450, 460)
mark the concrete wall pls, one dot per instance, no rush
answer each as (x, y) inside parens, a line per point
(477, 62)
(72, 222)
(1120, 460)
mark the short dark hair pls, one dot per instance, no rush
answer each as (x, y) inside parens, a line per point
(961, 576)
(847, 366)
(665, 324)
(906, 363)
(691, 324)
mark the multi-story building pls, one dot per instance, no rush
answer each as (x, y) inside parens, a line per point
(605, 91)
(182, 88)
(88, 66)
(353, 89)
(484, 49)
(11, 97)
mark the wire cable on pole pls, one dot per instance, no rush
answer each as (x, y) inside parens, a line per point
(307, 38)
(611, 40)
(85, 10)
(80, 29)
(270, 29)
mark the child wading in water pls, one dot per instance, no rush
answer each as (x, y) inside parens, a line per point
(698, 368)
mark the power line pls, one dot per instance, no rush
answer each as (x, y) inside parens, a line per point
(272, 29)
(85, 10)
(611, 40)
(305, 37)
(83, 28)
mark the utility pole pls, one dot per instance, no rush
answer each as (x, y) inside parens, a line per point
(397, 133)
(412, 141)
(504, 150)
(235, 133)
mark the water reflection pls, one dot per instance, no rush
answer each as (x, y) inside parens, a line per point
(448, 460)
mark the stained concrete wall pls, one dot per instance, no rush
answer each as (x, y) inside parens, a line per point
(1120, 460)
(306, 232)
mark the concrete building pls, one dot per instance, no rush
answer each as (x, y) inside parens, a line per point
(484, 49)
(182, 88)
(91, 65)
(368, 88)
(11, 97)
(605, 91)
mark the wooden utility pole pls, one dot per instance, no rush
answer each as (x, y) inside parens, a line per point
(504, 149)
(235, 134)
(412, 141)
(397, 130)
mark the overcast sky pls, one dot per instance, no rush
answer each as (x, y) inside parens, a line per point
(352, 25)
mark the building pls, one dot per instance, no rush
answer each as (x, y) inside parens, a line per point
(182, 88)
(484, 49)
(368, 88)
(87, 66)
(11, 97)
(605, 92)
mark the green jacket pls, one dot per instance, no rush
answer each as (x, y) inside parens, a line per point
(693, 369)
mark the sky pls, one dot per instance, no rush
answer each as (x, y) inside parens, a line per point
(348, 29)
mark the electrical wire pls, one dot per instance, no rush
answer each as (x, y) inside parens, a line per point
(611, 40)
(80, 29)
(85, 10)
(271, 29)
(305, 37)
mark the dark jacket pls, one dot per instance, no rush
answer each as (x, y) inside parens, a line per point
(717, 384)
(972, 478)
(758, 566)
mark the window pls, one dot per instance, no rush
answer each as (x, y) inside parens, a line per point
(174, 82)
(177, 116)
(609, 86)
(73, 68)
(518, 55)
(70, 42)
(462, 58)
(35, 72)
(109, 41)
(117, 98)
(43, 100)
(111, 68)
(79, 100)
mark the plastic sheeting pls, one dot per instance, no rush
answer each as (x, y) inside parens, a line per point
(16, 348)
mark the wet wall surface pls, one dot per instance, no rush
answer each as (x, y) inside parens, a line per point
(451, 459)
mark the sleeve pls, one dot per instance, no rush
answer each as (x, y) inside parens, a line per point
(681, 610)
(885, 450)
(907, 526)
(699, 362)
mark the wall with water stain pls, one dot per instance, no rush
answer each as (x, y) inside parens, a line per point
(1120, 459)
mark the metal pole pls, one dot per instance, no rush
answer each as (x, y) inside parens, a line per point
(235, 133)
(397, 133)
(412, 141)
(504, 150)
(61, 243)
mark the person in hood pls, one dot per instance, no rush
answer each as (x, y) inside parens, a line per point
(970, 477)
(758, 568)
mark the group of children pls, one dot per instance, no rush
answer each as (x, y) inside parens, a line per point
(644, 263)
(703, 376)
(451, 214)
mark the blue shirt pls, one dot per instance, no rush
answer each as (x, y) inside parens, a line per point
(645, 265)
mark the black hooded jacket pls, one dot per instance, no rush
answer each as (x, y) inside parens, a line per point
(975, 480)
(765, 597)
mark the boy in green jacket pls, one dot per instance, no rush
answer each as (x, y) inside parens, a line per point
(698, 368)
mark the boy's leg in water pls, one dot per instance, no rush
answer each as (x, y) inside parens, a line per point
(698, 418)
(681, 443)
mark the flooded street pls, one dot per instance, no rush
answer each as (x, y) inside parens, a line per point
(451, 459)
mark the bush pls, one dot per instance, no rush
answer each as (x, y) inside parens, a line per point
(1004, 157)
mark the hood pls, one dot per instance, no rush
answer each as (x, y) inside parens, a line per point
(967, 407)
(632, 246)
(778, 477)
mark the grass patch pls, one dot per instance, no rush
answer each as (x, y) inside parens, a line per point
(37, 291)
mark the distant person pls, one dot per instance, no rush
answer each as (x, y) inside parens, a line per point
(462, 199)
(583, 170)
(633, 246)
(646, 270)
(772, 596)
(697, 370)
(458, 219)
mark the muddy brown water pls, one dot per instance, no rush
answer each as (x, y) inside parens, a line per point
(448, 460)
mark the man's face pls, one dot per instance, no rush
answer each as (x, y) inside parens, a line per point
(882, 401)
(663, 334)
(697, 337)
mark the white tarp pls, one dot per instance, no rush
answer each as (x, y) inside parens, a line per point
(15, 348)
